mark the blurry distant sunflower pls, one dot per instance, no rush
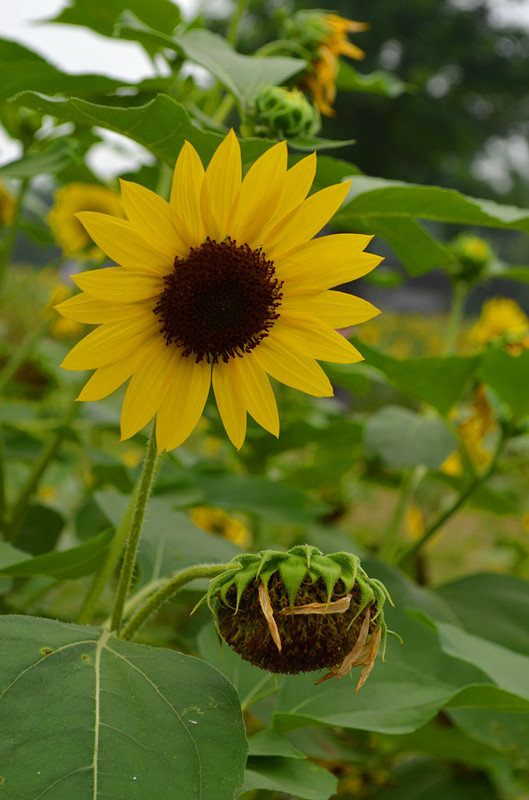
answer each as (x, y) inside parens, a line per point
(215, 520)
(473, 431)
(7, 206)
(69, 200)
(502, 318)
(222, 285)
(321, 38)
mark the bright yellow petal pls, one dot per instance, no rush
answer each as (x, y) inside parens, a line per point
(148, 386)
(310, 337)
(123, 244)
(222, 182)
(106, 380)
(93, 311)
(298, 181)
(183, 405)
(231, 408)
(337, 309)
(305, 221)
(326, 262)
(111, 342)
(293, 369)
(256, 392)
(259, 195)
(185, 193)
(153, 218)
(118, 285)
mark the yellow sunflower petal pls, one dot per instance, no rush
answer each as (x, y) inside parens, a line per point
(106, 380)
(326, 262)
(153, 218)
(293, 369)
(259, 194)
(298, 181)
(92, 310)
(123, 244)
(222, 182)
(183, 405)
(337, 309)
(118, 285)
(185, 193)
(111, 342)
(305, 221)
(148, 386)
(310, 337)
(231, 408)
(256, 392)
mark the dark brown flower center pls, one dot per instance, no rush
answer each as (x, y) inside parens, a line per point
(220, 301)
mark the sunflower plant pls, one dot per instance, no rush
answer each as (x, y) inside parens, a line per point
(225, 476)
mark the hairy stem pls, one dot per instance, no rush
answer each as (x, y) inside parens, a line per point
(167, 590)
(134, 533)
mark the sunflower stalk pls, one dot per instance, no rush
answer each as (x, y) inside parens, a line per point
(410, 482)
(166, 591)
(150, 465)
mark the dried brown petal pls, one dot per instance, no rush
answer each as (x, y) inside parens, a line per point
(352, 658)
(336, 607)
(268, 612)
(371, 650)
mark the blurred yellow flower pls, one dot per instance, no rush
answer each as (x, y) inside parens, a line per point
(7, 206)
(501, 317)
(69, 234)
(47, 493)
(414, 520)
(215, 520)
(132, 457)
(473, 431)
(61, 327)
(324, 70)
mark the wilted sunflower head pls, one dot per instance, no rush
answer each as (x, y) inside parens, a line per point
(221, 287)
(300, 611)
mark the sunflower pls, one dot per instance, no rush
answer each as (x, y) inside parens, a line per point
(324, 69)
(222, 286)
(502, 318)
(71, 198)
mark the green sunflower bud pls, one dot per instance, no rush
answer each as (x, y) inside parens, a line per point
(300, 611)
(473, 255)
(281, 113)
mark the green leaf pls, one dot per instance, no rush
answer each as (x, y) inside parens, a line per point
(402, 438)
(240, 75)
(101, 15)
(507, 375)
(502, 730)
(495, 607)
(412, 244)
(310, 143)
(40, 529)
(437, 380)
(426, 779)
(64, 564)
(251, 683)
(169, 540)
(292, 776)
(125, 721)
(379, 82)
(10, 555)
(268, 499)
(161, 125)
(272, 743)
(22, 70)
(57, 155)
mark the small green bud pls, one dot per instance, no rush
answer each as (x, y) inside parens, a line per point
(473, 255)
(300, 611)
(281, 113)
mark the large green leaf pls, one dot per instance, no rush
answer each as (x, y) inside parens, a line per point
(87, 715)
(170, 541)
(64, 564)
(402, 438)
(293, 776)
(437, 380)
(22, 70)
(379, 82)
(161, 125)
(101, 15)
(53, 158)
(507, 375)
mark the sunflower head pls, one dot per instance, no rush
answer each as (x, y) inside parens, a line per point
(281, 113)
(69, 233)
(473, 255)
(220, 287)
(217, 521)
(501, 318)
(300, 611)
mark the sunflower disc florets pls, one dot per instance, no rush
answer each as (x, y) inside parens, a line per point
(301, 611)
